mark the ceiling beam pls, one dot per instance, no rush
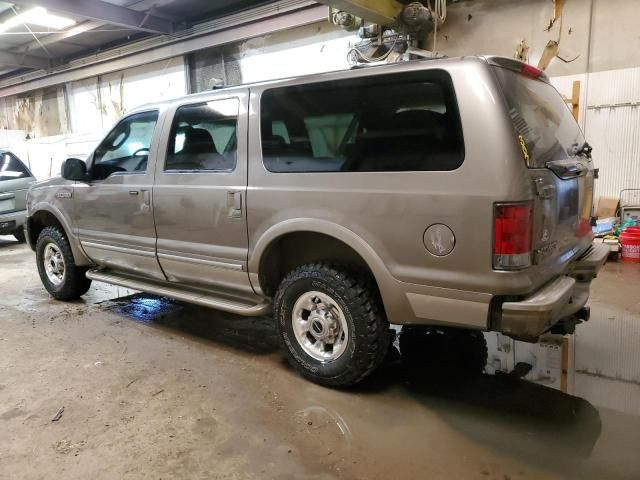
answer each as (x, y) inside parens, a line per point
(83, 27)
(253, 23)
(26, 61)
(106, 12)
(58, 36)
(382, 12)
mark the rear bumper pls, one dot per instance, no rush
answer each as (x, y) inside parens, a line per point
(10, 222)
(558, 300)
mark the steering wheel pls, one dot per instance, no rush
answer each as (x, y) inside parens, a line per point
(135, 154)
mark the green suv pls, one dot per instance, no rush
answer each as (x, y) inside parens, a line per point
(15, 179)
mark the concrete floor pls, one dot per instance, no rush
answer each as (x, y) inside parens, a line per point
(157, 389)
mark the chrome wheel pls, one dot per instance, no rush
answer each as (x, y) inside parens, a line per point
(54, 264)
(320, 326)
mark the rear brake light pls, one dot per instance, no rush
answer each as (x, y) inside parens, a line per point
(531, 71)
(512, 236)
(517, 66)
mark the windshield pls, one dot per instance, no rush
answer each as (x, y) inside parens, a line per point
(541, 117)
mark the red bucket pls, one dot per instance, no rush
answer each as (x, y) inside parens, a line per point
(630, 245)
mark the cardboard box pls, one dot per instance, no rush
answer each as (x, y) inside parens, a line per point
(607, 207)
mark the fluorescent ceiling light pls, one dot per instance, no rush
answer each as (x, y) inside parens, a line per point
(37, 16)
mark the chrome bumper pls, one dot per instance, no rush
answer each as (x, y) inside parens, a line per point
(559, 299)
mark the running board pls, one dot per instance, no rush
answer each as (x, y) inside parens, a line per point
(240, 306)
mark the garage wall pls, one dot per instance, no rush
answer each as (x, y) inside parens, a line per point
(299, 51)
(613, 128)
(37, 113)
(602, 34)
(96, 103)
(610, 118)
(46, 127)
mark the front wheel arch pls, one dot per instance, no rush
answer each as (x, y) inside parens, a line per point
(43, 218)
(38, 222)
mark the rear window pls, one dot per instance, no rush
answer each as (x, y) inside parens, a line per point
(541, 117)
(400, 122)
(12, 168)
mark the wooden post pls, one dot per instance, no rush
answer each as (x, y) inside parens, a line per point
(575, 99)
(565, 365)
(564, 383)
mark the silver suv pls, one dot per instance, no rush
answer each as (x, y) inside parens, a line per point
(453, 194)
(15, 179)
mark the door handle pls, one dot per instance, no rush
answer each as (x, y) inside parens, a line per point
(234, 202)
(146, 200)
(134, 192)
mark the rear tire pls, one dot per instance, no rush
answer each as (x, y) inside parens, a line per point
(331, 323)
(443, 351)
(58, 271)
(19, 234)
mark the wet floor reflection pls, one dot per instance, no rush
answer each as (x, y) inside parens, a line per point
(532, 423)
(249, 334)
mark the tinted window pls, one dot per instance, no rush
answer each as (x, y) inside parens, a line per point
(406, 122)
(203, 137)
(126, 147)
(12, 168)
(540, 116)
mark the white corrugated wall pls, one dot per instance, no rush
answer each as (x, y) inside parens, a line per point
(610, 116)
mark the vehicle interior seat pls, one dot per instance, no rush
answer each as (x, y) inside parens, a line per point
(199, 152)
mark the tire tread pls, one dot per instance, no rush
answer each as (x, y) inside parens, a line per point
(373, 339)
(76, 283)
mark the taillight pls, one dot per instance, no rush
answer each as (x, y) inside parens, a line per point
(512, 236)
(517, 66)
(531, 71)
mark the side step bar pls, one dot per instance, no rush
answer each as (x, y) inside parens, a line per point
(240, 306)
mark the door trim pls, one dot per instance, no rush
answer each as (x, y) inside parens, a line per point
(113, 248)
(200, 261)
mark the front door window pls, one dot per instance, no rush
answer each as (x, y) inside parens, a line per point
(126, 147)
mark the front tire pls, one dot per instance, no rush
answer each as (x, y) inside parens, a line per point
(331, 324)
(58, 271)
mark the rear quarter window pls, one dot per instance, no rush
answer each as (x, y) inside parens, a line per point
(399, 122)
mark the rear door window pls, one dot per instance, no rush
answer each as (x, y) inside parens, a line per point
(11, 168)
(400, 122)
(540, 117)
(203, 137)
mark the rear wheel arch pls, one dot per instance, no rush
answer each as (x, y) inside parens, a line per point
(293, 248)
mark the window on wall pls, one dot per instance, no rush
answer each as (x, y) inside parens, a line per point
(406, 122)
(126, 148)
(203, 137)
(221, 63)
(11, 168)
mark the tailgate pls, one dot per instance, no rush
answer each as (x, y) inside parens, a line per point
(559, 166)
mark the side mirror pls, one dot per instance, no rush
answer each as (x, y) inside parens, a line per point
(74, 169)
